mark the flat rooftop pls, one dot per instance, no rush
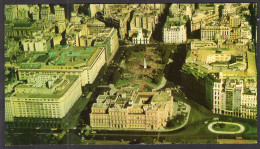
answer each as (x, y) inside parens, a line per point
(63, 56)
(57, 94)
(74, 56)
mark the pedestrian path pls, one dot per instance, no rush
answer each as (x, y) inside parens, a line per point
(142, 84)
(162, 84)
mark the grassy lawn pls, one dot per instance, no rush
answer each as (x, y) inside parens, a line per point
(137, 54)
(226, 127)
(137, 85)
(129, 63)
(124, 81)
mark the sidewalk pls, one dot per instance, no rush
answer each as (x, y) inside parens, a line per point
(162, 84)
(234, 141)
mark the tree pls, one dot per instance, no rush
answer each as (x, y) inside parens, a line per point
(156, 79)
(164, 52)
(92, 142)
(128, 53)
(70, 138)
(139, 47)
(115, 77)
(86, 88)
(178, 118)
(147, 140)
(161, 49)
(162, 139)
(221, 125)
(84, 9)
(13, 58)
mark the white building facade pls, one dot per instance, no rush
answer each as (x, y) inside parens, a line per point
(175, 34)
(45, 101)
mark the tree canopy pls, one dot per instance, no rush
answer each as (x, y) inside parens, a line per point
(165, 52)
(146, 140)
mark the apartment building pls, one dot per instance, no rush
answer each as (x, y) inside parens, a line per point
(174, 31)
(81, 61)
(45, 96)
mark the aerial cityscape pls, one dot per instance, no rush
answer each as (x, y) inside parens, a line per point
(114, 74)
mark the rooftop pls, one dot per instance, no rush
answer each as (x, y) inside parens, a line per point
(173, 22)
(94, 22)
(60, 90)
(23, 23)
(63, 56)
(153, 100)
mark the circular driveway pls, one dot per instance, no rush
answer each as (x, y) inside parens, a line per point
(242, 128)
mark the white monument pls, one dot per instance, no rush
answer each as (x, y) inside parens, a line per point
(145, 62)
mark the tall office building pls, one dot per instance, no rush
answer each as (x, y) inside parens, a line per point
(45, 12)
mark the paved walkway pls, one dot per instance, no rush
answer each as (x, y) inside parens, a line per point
(142, 84)
(162, 84)
(235, 141)
(134, 79)
(242, 128)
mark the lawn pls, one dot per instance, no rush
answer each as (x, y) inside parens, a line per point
(130, 63)
(124, 81)
(137, 54)
(226, 127)
(137, 85)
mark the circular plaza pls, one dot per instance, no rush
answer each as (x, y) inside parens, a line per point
(226, 128)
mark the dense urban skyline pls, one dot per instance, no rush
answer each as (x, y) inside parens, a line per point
(93, 72)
